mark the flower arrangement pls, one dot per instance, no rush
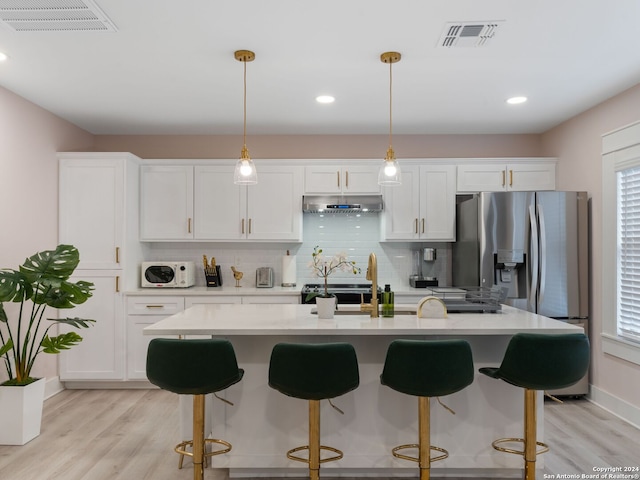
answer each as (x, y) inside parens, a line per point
(322, 266)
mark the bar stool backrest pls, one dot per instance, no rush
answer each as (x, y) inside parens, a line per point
(313, 371)
(428, 368)
(192, 367)
(545, 361)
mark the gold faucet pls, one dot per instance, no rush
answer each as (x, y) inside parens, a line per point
(372, 274)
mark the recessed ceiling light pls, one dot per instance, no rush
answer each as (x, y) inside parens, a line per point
(516, 100)
(3, 57)
(325, 99)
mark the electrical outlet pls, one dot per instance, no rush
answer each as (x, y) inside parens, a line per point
(237, 261)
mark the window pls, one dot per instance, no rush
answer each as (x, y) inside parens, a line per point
(621, 243)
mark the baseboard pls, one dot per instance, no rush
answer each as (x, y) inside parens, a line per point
(616, 406)
(52, 387)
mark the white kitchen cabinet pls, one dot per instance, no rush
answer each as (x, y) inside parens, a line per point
(292, 299)
(270, 210)
(209, 299)
(423, 207)
(349, 179)
(98, 213)
(500, 177)
(142, 312)
(98, 202)
(166, 202)
(100, 355)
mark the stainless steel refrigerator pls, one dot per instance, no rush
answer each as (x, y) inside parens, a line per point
(535, 245)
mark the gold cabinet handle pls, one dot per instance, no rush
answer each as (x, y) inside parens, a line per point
(338, 177)
(243, 226)
(155, 306)
(117, 254)
(117, 284)
(415, 225)
(511, 178)
(423, 225)
(503, 178)
(189, 226)
(249, 226)
(346, 179)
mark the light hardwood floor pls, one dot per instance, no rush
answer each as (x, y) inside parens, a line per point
(129, 434)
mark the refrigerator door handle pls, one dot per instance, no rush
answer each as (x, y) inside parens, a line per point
(543, 254)
(533, 258)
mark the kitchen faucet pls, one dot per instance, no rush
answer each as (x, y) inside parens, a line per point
(372, 274)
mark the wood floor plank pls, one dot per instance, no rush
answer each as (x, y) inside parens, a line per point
(130, 434)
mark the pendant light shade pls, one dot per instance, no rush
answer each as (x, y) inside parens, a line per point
(389, 173)
(245, 172)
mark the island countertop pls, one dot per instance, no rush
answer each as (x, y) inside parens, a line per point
(287, 319)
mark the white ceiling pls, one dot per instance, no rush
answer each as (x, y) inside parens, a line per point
(170, 69)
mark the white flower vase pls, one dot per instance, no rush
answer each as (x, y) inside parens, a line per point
(326, 307)
(21, 412)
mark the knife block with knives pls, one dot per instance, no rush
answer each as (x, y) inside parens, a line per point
(212, 272)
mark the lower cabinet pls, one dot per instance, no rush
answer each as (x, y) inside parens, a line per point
(142, 312)
(100, 355)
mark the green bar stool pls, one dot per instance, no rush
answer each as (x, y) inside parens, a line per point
(314, 372)
(194, 367)
(425, 369)
(536, 361)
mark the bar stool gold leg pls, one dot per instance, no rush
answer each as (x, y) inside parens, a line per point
(530, 445)
(314, 439)
(198, 437)
(424, 420)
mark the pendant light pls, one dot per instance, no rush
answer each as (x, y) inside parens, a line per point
(245, 172)
(389, 174)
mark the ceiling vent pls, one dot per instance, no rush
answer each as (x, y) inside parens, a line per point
(54, 16)
(468, 34)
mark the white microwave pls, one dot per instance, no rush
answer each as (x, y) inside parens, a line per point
(167, 274)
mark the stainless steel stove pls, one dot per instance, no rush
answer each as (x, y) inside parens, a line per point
(346, 293)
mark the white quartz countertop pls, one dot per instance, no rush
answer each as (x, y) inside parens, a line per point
(224, 290)
(288, 319)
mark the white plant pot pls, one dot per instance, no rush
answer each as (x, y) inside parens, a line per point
(326, 306)
(21, 412)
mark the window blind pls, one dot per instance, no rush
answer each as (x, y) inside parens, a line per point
(629, 253)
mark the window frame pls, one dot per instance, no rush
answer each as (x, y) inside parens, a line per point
(621, 151)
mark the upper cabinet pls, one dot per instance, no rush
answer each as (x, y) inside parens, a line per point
(201, 202)
(356, 179)
(269, 210)
(423, 207)
(503, 176)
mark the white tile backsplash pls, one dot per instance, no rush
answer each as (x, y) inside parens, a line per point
(357, 235)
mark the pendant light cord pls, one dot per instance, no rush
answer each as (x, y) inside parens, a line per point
(390, 102)
(244, 134)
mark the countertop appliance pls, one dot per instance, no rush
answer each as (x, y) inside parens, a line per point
(533, 244)
(167, 274)
(346, 293)
(264, 277)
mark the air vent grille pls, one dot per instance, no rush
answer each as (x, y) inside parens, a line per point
(54, 16)
(468, 34)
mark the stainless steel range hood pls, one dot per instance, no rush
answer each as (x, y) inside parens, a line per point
(341, 203)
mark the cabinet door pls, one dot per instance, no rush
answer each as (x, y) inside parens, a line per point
(482, 178)
(274, 205)
(91, 208)
(531, 177)
(401, 216)
(322, 179)
(100, 355)
(166, 202)
(220, 205)
(361, 179)
(142, 312)
(438, 202)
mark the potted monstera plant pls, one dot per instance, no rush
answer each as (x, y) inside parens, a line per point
(41, 281)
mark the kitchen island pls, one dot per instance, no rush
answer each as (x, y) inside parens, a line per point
(263, 424)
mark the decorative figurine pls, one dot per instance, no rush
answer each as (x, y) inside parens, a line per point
(237, 275)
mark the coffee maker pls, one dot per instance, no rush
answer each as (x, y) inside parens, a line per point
(417, 279)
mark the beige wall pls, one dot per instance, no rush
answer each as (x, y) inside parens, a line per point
(29, 140)
(578, 145)
(323, 146)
